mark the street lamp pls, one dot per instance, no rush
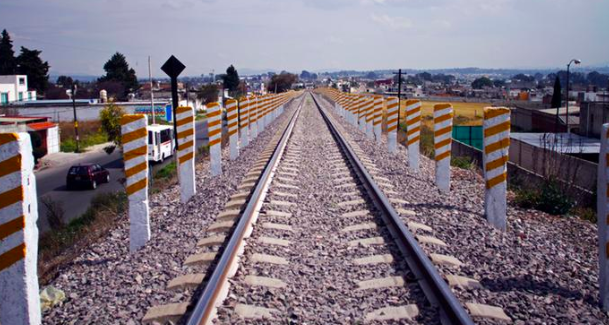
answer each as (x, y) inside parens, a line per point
(576, 61)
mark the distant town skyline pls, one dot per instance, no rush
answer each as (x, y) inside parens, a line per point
(77, 38)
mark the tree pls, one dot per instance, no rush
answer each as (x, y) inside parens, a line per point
(110, 117)
(282, 82)
(557, 96)
(30, 64)
(523, 77)
(117, 69)
(425, 76)
(482, 82)
(8, 62)
(498, 83)
(231, 79)
(64, 81)
(208, 93)
(305, 75)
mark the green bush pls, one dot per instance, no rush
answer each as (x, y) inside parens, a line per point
(462, 162)
(167, 171)
(549, 198)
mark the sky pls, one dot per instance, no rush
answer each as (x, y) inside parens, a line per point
(79, 36)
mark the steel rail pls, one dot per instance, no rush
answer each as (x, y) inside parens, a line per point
(204, 309)
(435, 288)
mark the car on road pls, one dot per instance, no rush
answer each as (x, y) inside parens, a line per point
(89, 175)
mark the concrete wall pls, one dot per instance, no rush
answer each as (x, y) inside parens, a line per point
(591, 118)
(53, 140)
(548, 163)
(582, 172)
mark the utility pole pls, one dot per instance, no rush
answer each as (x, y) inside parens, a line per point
(151, 94)
(399, 73)
(75, 117)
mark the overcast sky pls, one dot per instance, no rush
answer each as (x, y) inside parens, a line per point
(78, 36)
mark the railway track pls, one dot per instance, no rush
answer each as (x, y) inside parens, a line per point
(313, 236)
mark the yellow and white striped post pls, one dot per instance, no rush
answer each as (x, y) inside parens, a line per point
(370, 117)
(185, 120)
(353, 108)
(378, 117)
(392, 123)
(363, 108)
(413, 132)
(244, 116)
(602, 212)
(262, 101)
(19, 299)
(135, 158)
(443, 126)
(232, 115)
(253, 117)
(214, 129)
(496, 149)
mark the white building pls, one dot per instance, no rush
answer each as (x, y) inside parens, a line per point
(13, 88)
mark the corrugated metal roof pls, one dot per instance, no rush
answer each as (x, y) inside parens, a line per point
(40, 126)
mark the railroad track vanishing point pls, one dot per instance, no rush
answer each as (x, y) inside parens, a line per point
(312, 237)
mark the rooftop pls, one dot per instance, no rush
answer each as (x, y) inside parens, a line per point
(561, 142)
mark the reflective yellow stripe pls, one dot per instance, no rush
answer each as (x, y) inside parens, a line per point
(413, 140)
(10, 165)
(443, 155)
(496, 180)
(501, 127)
(186, 157)
(11, 197)
(136, 169)
(443, 131)
(214, 142)
(12, 256)
(496, 163)
(442, 118)
(12, 227)
(442, 143)
(184, 121)
(490, 112)
(503, 143)
(134, 135)
(137, 152)
(137, 186)
(186, 133)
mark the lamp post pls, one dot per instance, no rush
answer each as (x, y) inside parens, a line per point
(576, 61)
(73, 95)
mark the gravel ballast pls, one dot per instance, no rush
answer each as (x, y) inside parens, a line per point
(321, 278)
(542, 270)
(108, 285)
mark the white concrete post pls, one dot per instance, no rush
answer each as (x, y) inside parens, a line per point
(253, 117)
(244, 116)
(262, 101)
(392, 123)
(363, 108)
(370, 118)
(496, 148)
(602, 210)
(378, 117)
(232, 115)
(19, 299)
(135, 158)
(214, 129)
(443, 126)
(185, 121)
(352, 115)
(413, 132)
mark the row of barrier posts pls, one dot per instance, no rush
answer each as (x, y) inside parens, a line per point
(19, 290)
(496, 143)
(358, 109)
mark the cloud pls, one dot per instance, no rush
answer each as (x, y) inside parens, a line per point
(393, 23)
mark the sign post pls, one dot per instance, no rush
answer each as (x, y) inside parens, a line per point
(173, 67)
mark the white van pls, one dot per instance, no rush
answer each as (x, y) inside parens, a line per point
(160, 142)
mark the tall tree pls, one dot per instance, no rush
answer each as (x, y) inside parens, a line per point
(64, 81)
(117, 69)
(231, 79)
(282, 82)
(30, 64)
(8, 62)
(557, 96)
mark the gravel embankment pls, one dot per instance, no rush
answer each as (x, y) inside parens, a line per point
(321, 280)
(108, 285)
(542, 270)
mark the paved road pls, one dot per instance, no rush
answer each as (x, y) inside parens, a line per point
(51, 183)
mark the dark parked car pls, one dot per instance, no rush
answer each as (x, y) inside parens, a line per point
(89, 175)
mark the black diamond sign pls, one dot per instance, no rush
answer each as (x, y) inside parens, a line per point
(173, 67)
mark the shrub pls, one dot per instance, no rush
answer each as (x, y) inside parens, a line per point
(462, 162)
(549, 198)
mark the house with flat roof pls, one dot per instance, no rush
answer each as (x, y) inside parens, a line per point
(44, 133)
(14, 88)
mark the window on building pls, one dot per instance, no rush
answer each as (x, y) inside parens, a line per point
(22, 81)
(29, 95)
(20, 96)
(4, 98)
